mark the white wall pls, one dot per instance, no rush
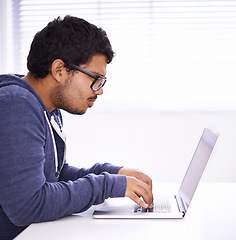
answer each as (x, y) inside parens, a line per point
(159, 143)
(6, 49)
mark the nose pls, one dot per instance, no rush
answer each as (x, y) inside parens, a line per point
(100, 91)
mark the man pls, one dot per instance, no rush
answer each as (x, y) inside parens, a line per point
(67, 67)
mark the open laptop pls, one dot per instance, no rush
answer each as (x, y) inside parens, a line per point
(168, 206)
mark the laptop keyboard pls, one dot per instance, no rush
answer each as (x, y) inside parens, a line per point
(161, 205)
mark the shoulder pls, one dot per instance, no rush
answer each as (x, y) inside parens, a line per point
(19, 103)
(14, 89)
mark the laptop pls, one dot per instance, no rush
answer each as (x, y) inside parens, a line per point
(170, 205)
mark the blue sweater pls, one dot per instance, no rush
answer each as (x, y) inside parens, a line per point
(35, 185)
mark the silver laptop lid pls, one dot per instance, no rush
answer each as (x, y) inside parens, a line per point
(196, 167)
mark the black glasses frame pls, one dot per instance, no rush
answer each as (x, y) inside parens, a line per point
(96, 77)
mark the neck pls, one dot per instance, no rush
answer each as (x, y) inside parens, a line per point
(42, 87)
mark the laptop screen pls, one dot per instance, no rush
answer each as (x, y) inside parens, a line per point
(197, 166)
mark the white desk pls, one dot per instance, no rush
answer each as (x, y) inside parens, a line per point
(211, 215)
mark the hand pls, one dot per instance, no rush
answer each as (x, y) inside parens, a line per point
(137, 174)
(138, 185)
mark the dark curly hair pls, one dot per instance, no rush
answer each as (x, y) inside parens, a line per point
(72, 40)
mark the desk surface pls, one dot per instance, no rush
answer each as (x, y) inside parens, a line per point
(211, 215)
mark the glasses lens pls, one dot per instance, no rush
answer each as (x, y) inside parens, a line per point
(98, 83)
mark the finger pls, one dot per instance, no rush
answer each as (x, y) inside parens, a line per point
(144, 178)
(141, 189)
(145, 192)
(138, 200)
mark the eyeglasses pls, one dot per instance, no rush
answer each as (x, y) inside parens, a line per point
(99, 81)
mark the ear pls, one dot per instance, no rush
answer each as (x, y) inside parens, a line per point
(58, 70)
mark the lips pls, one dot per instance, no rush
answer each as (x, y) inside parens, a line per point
(92, 100)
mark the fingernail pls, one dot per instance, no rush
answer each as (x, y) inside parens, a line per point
(145, 205)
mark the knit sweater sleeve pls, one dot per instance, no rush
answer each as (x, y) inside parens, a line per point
(25, 195)
(72, 173)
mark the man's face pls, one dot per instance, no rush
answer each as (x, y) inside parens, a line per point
(75, 95)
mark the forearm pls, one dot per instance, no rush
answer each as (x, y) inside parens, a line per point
(55, 200)
(73, 173)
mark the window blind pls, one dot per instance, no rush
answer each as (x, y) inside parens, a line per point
(169, 54)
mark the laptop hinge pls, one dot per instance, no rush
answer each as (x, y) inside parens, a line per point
(180, 204)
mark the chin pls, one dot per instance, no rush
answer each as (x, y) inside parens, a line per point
(80, 112)
(75, 111)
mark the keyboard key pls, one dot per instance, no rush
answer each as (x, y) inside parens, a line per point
(161, 205)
